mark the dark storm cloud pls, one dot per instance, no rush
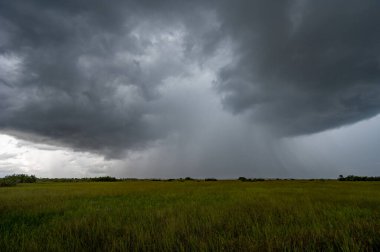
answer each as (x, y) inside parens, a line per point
(303, 66)
(87, 74)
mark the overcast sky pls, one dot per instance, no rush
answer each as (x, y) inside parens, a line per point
(148, 88)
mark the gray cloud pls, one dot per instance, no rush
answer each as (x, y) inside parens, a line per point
(303, 66)
(86, 74)
(90, 74)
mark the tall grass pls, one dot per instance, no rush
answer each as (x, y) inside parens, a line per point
(191, 216)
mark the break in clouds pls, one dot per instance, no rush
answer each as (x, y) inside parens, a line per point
(205, 85)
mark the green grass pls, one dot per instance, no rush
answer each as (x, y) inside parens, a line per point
(191, 216)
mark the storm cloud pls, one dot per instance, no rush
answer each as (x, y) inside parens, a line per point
(303, 66)
(86, 73)
(104, 76)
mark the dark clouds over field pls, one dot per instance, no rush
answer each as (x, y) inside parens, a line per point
(111, 76)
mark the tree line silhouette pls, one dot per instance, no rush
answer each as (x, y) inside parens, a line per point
(357, 178)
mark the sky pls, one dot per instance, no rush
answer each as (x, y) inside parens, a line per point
(165, 89)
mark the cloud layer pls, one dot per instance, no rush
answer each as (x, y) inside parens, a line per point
(86, 74)
(95, 76)
(303, 66)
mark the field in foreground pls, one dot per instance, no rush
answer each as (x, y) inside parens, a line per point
(191, 216)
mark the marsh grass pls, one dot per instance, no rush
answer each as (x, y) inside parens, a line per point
(191, 216)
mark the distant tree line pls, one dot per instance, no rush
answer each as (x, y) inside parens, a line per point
(12, 180)
(357, 178)
(244, 179)
(95, 179)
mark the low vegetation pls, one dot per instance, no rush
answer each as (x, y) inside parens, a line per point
(95, 179)
(191, 215)
(243, 179)
(357, 178)
(14, 179)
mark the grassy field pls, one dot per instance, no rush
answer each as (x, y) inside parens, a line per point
(191, 216)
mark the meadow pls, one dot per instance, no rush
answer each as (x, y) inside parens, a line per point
(191, 216)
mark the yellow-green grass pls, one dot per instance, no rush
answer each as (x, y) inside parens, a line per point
(191, 216)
